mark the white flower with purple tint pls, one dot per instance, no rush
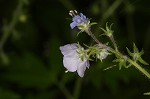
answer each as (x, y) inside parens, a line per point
(72, 58)
(79, 20)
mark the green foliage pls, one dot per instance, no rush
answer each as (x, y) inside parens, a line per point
(6, 94)
(121, 61)
(136, 55)
(28, 71)
(108, 32)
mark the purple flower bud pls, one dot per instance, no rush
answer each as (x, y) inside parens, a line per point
(78, 20)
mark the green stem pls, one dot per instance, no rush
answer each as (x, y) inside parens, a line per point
(114, 43)
(95, 39)
(132, 62)
(120, 54)
(139, 68)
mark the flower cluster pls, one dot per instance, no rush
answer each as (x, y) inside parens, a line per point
(76, 58)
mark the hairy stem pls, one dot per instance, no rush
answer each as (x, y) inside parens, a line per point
(114, 43)
(139, 68)
(120, 54)
(95, 39)
(132, 62)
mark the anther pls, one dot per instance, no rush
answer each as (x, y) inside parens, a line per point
(73, 13)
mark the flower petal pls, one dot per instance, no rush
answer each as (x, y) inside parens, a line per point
(87, 64)
(70, 64)
(72, 59)
(73, 24)
(68, 49)
(76, 18)
(83, 16)
(82, 67)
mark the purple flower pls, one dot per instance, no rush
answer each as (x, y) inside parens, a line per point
(72, 59)
(79, 20)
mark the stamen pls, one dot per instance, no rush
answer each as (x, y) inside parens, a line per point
(70, 14)
(76, 11)
(66, 71)
(73, 13)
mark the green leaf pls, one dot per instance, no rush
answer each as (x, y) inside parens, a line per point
(136, 55)
(93, 23)
(107, 29)
(103, 30)
(128, 65)
(108, 32)
(142, 61)
(131, 54)
(142, 52)
(135, 49)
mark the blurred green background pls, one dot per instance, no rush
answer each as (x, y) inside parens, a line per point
(31, 32)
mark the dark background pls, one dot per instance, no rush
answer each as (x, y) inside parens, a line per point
(31, 32)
